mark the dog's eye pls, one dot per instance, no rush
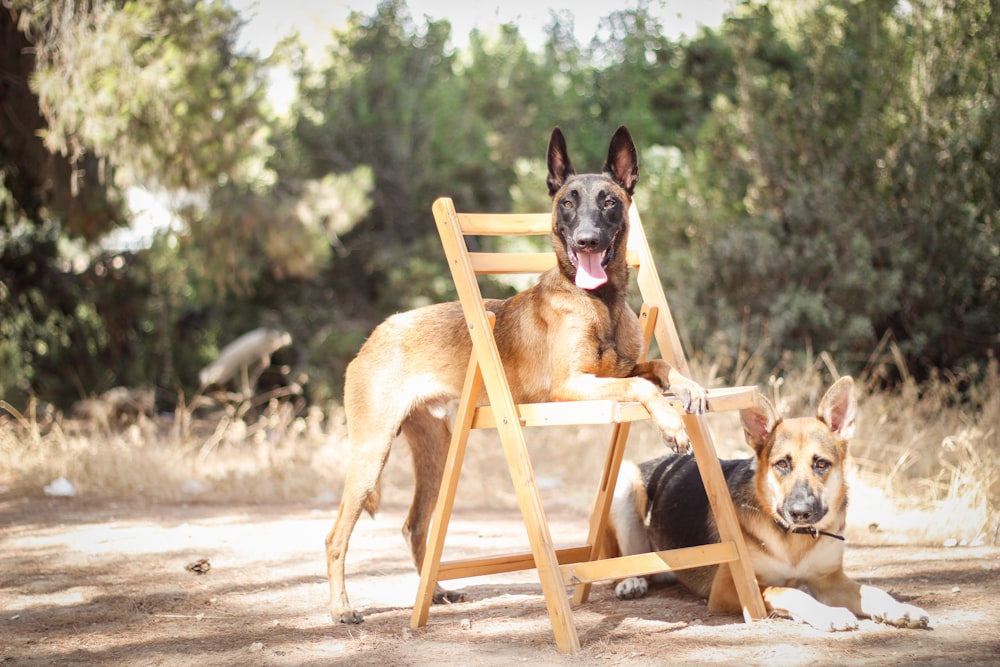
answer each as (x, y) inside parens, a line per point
(782, 465)
(821, 465)
(567, 204)
(610, 203)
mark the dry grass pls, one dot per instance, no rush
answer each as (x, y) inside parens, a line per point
(222, 455)
(925, 463)
(936, 457)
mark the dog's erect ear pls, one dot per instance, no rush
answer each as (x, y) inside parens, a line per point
(560, 168)
(623, 161)
(759, 423)
(839, 407)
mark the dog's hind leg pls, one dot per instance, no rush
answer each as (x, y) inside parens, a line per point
(627, 509)
(429, 436)
(369, 453)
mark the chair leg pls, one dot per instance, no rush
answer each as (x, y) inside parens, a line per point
(602, 503)
(725, 517)
(446, 496)
(546, 562)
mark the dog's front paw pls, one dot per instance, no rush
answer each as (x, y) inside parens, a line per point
(670, 424)
(903, 616)
(679, 441)
(833, 619)
(631, 588)
(883, 608)
(692, 395)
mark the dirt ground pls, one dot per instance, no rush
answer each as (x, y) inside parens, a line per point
(107, 583)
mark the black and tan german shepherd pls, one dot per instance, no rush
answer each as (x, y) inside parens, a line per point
(791, 501)
(571, 336)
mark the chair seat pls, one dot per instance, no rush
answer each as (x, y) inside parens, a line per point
(567, 413)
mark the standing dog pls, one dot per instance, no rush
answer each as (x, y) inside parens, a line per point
(791, 501)
(571, 336)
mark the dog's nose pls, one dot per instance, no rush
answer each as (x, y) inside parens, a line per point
(801, 512)
(802, 506)
(587, 239)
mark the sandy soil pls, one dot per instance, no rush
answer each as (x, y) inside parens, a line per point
(85, 583)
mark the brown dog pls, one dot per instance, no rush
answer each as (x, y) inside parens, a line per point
(571, 336)
(791, 500)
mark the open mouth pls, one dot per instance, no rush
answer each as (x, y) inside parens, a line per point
(590, 273)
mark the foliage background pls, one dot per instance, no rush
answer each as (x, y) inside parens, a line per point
(822, 177)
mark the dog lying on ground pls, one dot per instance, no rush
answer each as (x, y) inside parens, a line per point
(791, 501)
(571, 336)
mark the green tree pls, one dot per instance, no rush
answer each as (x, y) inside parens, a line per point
(99, 97)
(940, 173)
(510, 92)
(635, 78)
(391, 99)
(850, 190)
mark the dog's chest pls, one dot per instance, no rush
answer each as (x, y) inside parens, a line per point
(618, 342)
(794, 562)
(610, 361)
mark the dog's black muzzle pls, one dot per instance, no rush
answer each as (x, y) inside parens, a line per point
(590, 239)
(802, 507)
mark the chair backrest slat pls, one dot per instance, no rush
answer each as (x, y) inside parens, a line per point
(495, 263)
(505, 224)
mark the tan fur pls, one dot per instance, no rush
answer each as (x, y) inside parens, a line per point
(557, 342)
(798, 481)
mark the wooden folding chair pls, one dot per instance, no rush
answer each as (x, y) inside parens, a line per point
(577, 566)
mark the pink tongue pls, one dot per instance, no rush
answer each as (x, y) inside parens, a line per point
(589, 272)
